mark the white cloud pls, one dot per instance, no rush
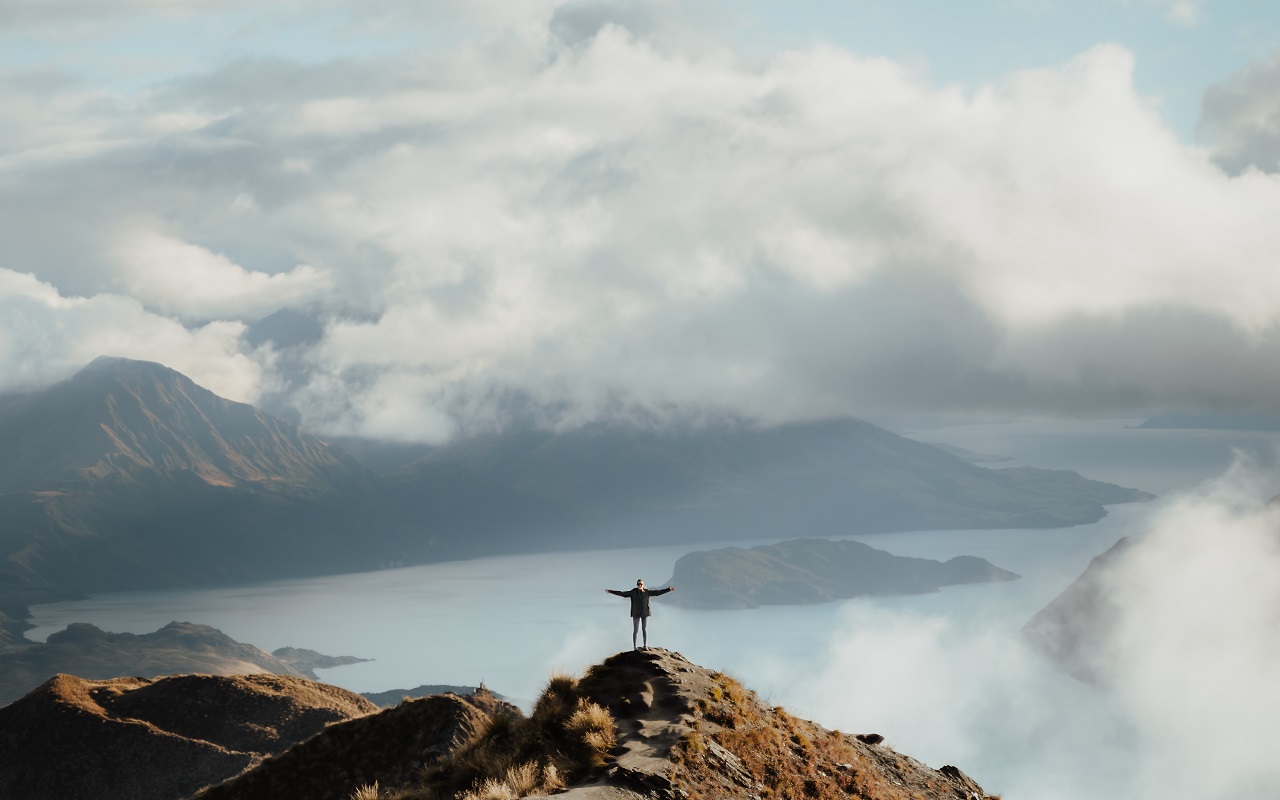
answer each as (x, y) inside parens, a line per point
(179, 278)
(45, 336)
(1241, 117)
(1184, 14)
(1190, 704)
(596, 214)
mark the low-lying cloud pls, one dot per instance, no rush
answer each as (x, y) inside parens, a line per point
(1189, 704)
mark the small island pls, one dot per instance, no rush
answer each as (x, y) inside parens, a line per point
(807, 571)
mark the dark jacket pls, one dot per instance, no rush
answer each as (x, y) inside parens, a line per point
(639, 599)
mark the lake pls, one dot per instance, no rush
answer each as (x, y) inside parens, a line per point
(509, 622)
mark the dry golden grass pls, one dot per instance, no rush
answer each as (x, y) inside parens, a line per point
(367, 792)
(565, 738)
(784, 757)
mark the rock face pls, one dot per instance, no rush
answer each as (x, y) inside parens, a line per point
(178, 647)
(641, 724)
(1074, 628)
(805, 571)
(135, 739)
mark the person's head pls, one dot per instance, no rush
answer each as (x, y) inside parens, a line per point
(640, 583)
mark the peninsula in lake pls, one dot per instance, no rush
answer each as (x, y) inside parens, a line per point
(804, 571)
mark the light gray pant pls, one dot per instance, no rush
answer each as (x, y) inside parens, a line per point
(640, 625)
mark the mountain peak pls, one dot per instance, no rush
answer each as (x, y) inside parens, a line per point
(157, 480)
(640, 724)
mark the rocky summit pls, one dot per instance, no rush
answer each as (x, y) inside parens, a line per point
(641, 724)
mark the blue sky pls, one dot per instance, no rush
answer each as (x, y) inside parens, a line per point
(1181, 48)
(983, 40)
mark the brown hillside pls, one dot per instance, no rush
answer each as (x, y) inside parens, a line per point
(642, 724)
(390, 747)
(136, 739)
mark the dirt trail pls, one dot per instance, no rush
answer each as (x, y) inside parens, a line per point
(651, 695)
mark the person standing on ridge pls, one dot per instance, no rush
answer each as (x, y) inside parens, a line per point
(640, 609)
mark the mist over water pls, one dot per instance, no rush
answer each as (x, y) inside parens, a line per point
(1190, 708)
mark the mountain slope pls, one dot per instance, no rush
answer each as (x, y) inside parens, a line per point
(1074, 628)
(128, 475)
(616, 485)
(135, 739)
(641, 724)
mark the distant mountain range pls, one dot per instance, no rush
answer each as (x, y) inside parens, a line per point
(130, 476)
(1215, 420)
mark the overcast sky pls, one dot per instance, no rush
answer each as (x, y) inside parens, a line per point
(776, 210)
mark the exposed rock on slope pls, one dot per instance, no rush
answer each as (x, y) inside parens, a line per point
(815, 571)
(178, 647)
(135, 739)
(642, 724)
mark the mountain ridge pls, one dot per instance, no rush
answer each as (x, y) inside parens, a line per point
(131, 476)
(639, 724)
(139, 739)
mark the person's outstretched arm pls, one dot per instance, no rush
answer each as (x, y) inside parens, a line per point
(662, 591)
(618, 593)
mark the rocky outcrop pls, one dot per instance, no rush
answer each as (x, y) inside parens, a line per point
(137, 739)
(804, 571)
(641, 724)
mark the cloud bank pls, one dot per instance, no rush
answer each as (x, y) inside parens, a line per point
(1190, 702)
(598, 209)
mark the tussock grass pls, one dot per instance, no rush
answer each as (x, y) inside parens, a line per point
(566, 737)
(367, 792)
(591, 729)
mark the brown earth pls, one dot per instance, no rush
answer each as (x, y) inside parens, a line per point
(676, 731)
(138, 739)
(388, 748)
